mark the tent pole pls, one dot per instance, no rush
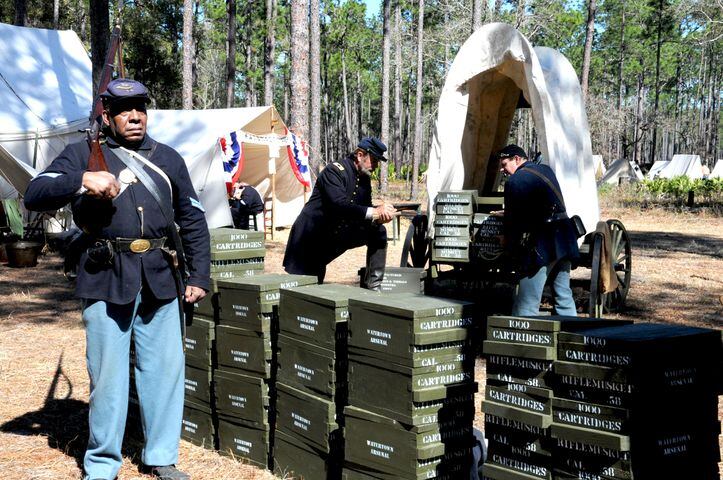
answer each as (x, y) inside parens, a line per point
(273, 205)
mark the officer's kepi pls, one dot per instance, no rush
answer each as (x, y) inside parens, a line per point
(374, 147)
(124, 89)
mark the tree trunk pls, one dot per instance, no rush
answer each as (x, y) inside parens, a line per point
(589, 34)
(56, 14)
(476, 15)
(21, 12)
(397, 87)
(315, 110)
(656, 85)
(99, 34)
(230, 52)
(621, 151)
(347, 115)
(187, 89)
(418, 106)
(269, 47)
(250, 87)
(299, 119)
(386, 50)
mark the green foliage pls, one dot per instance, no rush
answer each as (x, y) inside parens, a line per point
(676, 189)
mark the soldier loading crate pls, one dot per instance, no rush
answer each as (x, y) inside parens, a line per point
(476, 108)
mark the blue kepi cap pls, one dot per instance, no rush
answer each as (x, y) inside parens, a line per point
(123, 89)
(374, 147)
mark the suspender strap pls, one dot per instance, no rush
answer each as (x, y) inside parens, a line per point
(549, 184)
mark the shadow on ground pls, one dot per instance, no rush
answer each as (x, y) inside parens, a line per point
(676, 242)
(64, 421)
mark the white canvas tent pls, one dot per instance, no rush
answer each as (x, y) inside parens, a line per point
(195, 134)
(622, 169)
(492, 70)
(688, 165)
(599, 166)
(656, 168)
(45, 98)
(717, 171)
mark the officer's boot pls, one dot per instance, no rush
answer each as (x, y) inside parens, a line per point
(376, 261)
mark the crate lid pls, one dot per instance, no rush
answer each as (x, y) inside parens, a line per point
(329, 294)
(412, 305)
(266, 282)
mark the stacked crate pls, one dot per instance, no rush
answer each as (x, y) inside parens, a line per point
(411, 389)
(487, 231)
(245, 346)
(234, 253)
(454, 211)
(638, 401)
(311, 386)
(400, 279)
(520, 352)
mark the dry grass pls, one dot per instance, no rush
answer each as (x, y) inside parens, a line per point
(677, 278)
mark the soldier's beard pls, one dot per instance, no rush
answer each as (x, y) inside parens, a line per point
(365, 171)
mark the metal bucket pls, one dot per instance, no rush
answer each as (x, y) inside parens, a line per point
(23, 254)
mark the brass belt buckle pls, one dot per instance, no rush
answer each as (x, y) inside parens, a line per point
(140, 245)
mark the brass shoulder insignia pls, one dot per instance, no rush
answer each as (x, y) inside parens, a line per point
(338, 165)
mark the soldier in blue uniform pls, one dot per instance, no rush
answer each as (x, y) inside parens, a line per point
(339, 216)
(244, 202)
(126, 282)
(537, 233)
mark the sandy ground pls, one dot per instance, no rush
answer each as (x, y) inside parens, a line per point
(677, 278)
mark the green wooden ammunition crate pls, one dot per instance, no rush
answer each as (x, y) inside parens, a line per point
(590, 466)
(255, 263)
(245, 298)
(386, 445)
(237, 246)
(318, 313)
(307, 417)
(487, 224)
(243, 441)
(495, 421)
(452, 242)
(198, 385)
(589, 436)
(452, 231)
(238, 254)
(421, 355)
(198, 425)
(539, 443)
(242, 396)
(400, 279)
(527, 337)
(461, 202)
(294, 458)
(552, 323)
(511, 413)
(311, 368)
(538, 400)
(391, 324)
(247, 271)
(265, 323)
(207, 305)
(521, 350)
(450, 254)
(442, 220)
(389, 389)
(227, 234)
(440, 468)
(523, 461)
(243, 349)
(199, 342)
(492, 471)
(525, 371)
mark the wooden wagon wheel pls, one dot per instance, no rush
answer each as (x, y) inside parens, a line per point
(416, 249)
(622, 263)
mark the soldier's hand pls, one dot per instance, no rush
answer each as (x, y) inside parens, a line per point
(194, 294)
(101, 184)
(384, 213)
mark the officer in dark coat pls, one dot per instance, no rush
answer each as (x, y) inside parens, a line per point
(244, 201)
(126, 281)
(538, 235)
(339, 216)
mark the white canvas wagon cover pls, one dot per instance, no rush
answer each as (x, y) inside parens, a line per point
(477, 106)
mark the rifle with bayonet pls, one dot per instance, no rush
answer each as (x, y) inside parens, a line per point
(96, 160)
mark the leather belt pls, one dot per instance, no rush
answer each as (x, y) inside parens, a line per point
(137, 245)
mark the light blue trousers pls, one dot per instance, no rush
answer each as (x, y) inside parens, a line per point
(529, 291)
(159, 374)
